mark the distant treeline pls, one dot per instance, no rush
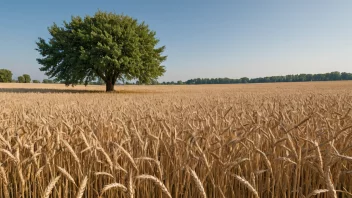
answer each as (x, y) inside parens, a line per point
(6, 76)
(332, 76)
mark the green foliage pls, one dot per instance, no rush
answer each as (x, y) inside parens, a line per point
(112, 47)
(27, 78)
(46, 81)
(244, 80)
(153, 82)
(21, 79)
(36, 81)
(332, 76)
(5, 75)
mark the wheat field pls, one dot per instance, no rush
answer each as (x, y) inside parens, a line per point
(258, 140)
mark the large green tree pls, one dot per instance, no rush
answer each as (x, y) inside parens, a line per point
(5, 75)
(106, 45)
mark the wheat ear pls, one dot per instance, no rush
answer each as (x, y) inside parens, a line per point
(247, 184)
(128, 155)
(114, 185)
(50, 187)
(104, 174)
(8, 153)
(198, 183)
(4, 181)
(82, 187)
(67, 175)
(315, 192)
(155, 181)
(70, 149)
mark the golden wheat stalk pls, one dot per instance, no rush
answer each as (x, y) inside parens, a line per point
(71, 151)
(4, 181)
(316, 192)
(247, 184)
(66, 174)
(129, 157)
(82, 187)
(155, 181)
(198, 183)
(113, 185)
(9, 154)
(130, 186)
(104, 174)
(107, 157)
(50, 187)
(37, 174)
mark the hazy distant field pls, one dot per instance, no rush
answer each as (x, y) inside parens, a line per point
(253, 140)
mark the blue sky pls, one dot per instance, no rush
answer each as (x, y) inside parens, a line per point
(203, 38)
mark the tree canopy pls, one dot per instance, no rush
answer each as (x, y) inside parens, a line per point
(109, 46)
(27, 78)
(21, 79)
(5, 75)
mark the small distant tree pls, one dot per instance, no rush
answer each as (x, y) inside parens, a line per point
(346, 76)
(27, 78)
(335, 75)
(244, 80)
(36, 81)
(179, 82)
(47, 81)
(5, 75)
(21, 79)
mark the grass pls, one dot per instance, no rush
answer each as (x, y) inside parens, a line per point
(258, 140)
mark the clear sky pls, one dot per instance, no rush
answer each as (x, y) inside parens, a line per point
(203, 38)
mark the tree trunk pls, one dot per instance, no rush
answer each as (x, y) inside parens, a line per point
(109, 86)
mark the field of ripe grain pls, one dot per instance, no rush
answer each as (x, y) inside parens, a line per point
(257, 140)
